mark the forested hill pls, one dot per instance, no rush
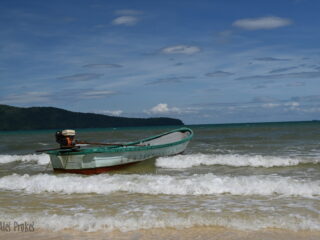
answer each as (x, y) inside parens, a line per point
(17, 118)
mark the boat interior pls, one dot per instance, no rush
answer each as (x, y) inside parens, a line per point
(167, 138)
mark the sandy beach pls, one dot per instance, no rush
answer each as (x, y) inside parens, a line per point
(196, 233)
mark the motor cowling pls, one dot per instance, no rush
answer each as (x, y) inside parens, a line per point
(65, 138)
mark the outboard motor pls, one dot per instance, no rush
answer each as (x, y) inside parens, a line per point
(66, 138)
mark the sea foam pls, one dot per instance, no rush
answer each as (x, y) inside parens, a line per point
(162, 219)
(235, 160)
(198, 184)
(41, 159)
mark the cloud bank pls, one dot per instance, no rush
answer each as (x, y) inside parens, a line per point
(262, 23)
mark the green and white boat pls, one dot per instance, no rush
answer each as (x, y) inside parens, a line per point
(80, 157)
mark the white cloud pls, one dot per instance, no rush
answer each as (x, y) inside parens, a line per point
(289, 105)
(125, 20)
(162, 108)
(111, 112)
(180, 49)
(262, 23)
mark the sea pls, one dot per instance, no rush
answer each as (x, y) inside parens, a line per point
(234, 181)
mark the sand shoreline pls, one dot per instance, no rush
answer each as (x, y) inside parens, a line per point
(168, 233)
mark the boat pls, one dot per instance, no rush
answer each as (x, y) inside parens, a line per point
(81, 157)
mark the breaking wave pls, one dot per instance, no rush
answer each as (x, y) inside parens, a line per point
(41, 159)
(235, 160)
(161, 219)
(202, 184)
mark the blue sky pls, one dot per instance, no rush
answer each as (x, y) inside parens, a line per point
(201, 61)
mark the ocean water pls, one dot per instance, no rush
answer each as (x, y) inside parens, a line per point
(239, 181)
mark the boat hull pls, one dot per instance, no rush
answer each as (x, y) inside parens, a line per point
(90, 171)
(98, 160)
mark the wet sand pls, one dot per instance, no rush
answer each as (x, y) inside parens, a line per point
(195, 233)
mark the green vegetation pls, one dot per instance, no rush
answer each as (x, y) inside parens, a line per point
(16, 118)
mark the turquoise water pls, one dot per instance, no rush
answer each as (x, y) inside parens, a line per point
(239, 176)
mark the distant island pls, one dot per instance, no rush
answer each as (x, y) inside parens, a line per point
(33, 118)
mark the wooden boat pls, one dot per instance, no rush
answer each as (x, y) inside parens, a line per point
(93, 160)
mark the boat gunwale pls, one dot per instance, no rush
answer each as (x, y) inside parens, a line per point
(129, 147)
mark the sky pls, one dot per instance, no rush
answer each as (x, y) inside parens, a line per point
(204, 61)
